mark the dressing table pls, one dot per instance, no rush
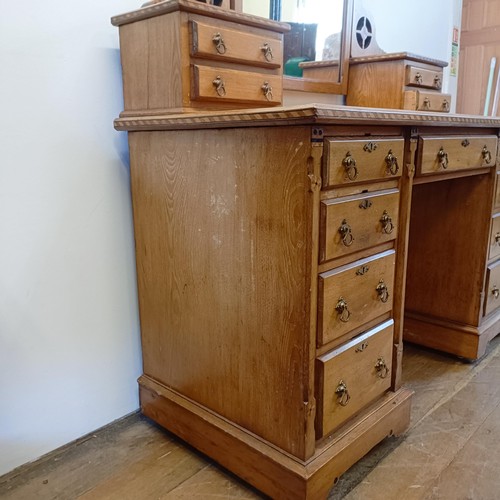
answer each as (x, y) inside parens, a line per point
(274, 249)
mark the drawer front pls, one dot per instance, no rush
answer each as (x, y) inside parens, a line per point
(492, 292)
(352, 376)
(348, 161)
(235, 45)
(495, 238)
(440, 154)
(224, 85)
(356, 222)
(497, 192)
(419, 77)
(420, 100)
(354, 294)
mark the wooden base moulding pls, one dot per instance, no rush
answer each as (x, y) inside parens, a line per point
(269, 469)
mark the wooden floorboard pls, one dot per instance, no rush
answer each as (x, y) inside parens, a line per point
(455, 415)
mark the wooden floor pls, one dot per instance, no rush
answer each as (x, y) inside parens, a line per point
(451, 451)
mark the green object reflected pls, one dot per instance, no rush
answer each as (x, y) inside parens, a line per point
(292, 67)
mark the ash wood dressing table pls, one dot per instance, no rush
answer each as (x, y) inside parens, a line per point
(274, 247)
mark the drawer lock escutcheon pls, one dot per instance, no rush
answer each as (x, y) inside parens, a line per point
(268, 52)
(381, 367)
(486, 155)
(365, 204)
(391, 161)
(218, 41)
(362, 270)
(442, 158)
(268, 91)
(382, 291)
(465, 143)
(386, 221)
(369, 147)
(343, 310)
(219, 86)
(495, 291)
(349, 164)
(342, 393)
(346, 233)
(362, 347)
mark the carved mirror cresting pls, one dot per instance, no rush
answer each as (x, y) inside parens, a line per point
(317, 49)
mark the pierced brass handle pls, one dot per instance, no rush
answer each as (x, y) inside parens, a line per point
(418, 79)
(437, 81)
(392, 163)
(486, 155)
(219, 86)
(268, 52)
(495, 291)
(268, 91)
(497, 238)
(426, 104)
(443, 158)
(383, 292)
(386, 221)
(218, 41)
(342, 394)
(446, 105)
(381, 367)
(346, 233)
(343, 310)
(349, 164)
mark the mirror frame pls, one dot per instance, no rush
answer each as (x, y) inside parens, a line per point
(318, 85)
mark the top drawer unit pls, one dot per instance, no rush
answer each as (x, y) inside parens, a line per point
(360, 160)
(437, 154)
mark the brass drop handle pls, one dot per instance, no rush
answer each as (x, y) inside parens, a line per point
(268, 52)
(349, 164)
(418, 79)
(427, 103)
(497, 238)
(381, 367)
(219, 86)
(383, 292)
(486, 155)
(437, 81)
(386, 221)
(446, 105)
(342, 394)
(443, 158)
(495, 291)
(346, 233)
(268, 91)
(342, 310)
(219, 43)
(391, 161)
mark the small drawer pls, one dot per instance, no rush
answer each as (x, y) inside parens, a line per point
(356, 222)
(213, 41)
(225, 85)
(352, 376)
(440, 154)
(495, 238)
(348, 161)
(492, 291)
(354, 294)
(419, 100)
(419, 77)
(497, 192)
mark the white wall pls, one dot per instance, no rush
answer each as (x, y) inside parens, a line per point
(69, 332)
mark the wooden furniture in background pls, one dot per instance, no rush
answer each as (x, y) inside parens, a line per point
(399, 80)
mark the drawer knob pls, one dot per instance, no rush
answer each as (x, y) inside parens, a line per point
(437, 82)
(346, 233)
(386, 221)
(486, 155)
(268, 91)
(381, 367)
(418, 79)
(426, 104)
(383, 292)
(442, 158)
(392, 163)
(349, 164)
(268, 52)
(342, 393)
(218, 41)
(446, 105)
(495, 291)
(343, 310)
(219, 86)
